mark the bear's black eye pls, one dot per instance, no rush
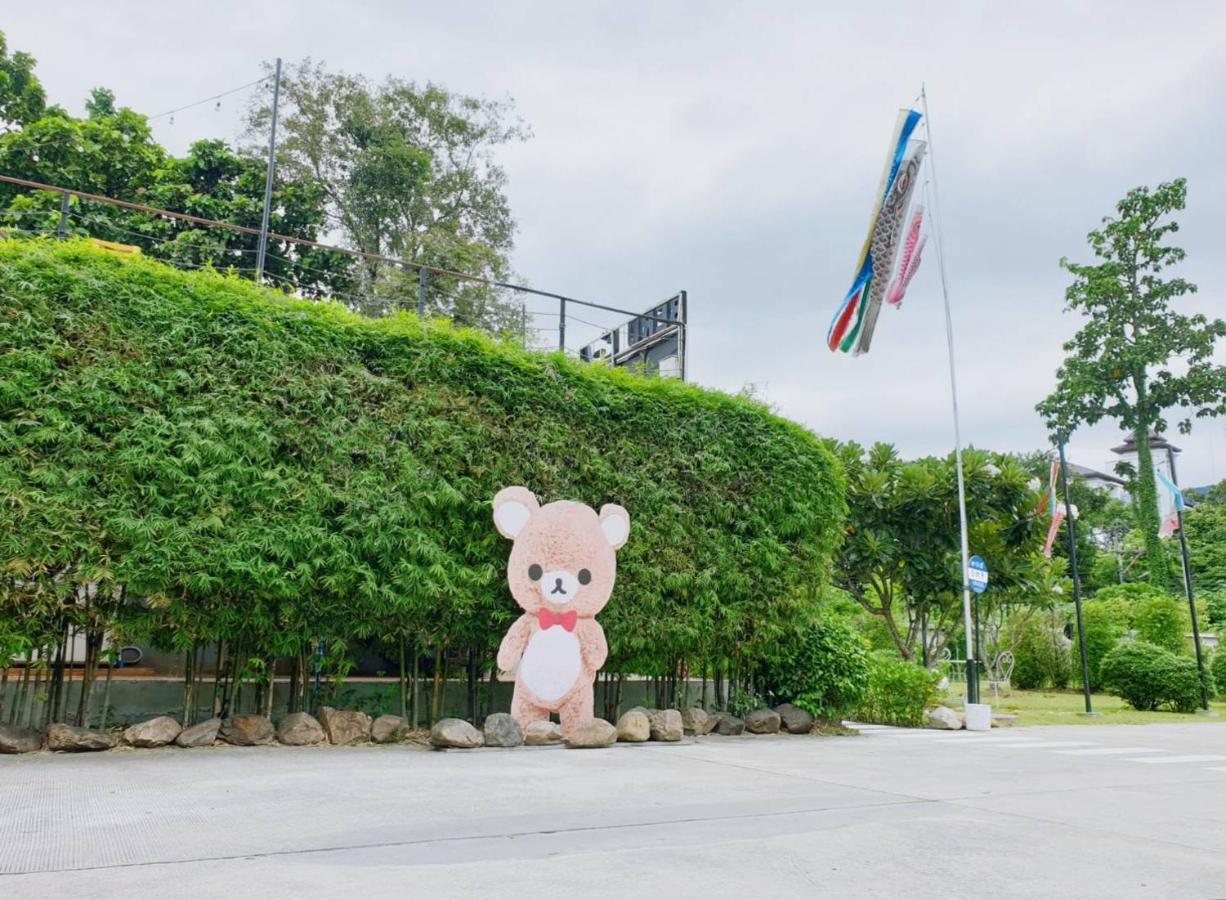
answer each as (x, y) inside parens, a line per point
(534, 572)
(585, 577)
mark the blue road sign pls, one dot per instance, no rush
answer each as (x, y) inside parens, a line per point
(977, 574)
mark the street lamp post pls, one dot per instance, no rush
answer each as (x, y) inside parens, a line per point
(1187, 579)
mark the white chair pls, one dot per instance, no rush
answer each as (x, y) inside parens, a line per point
(999, 674)
(957, 667)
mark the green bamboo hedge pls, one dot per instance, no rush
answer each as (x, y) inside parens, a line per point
(227, 463)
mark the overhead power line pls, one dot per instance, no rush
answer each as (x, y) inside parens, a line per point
(241, 87)
(303, 242)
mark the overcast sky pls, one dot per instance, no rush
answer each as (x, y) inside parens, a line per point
(732, 150)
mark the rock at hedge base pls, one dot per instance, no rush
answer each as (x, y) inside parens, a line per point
(762, 721)
(501, 730)
(299, 729)
(633, 727)
(389, 729)
(345, 726)
(202, 734)
(943, 718)
(596, 733)
(697, 721)
(794, 720)
(247, 731)
(71, 739)
(156, 732)
(540, 733)
(456, 734)
(665, 724)
(729, 725)
(19, 739)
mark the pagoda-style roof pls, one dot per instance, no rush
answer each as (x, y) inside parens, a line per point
(1156, 442)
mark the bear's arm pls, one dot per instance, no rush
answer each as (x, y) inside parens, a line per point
(592, 644)
(512, 646)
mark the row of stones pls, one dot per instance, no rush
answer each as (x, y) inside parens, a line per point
(634, 726)
(337, 726)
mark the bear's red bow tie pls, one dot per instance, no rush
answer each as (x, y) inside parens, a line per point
(547, 619)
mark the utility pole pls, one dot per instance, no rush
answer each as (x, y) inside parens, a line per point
(562, 325)
(62, 232)
(1187, 580)
(272, 156)
(422, 275)
(1072, 558)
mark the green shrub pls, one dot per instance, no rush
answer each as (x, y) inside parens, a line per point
(1106, 622)
(1162, 620)
(1041, 657)
(822, 668)
(1215, 607)
(1151, 677)
(1131, 592)
(898, 691)
(1217, 667)
(273, 471)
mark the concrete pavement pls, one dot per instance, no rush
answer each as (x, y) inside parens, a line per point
(1078, 811)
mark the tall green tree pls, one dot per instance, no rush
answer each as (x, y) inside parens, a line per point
(409, 172)
(111, 151)
(22, 98)
(1135, 358)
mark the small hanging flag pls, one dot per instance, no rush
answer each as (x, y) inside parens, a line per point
(848, 330)
(1049, 496)
(1054, 529)
(1175, 491)
(912, 253)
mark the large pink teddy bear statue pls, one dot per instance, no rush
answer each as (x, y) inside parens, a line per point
(561, 571)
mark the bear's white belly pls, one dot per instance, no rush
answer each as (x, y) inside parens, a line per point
(551, 664)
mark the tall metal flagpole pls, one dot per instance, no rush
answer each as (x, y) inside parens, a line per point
(262, 252)
(972, 667)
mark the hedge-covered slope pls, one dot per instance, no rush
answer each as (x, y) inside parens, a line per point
(271, 471)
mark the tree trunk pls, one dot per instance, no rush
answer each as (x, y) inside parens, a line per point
(1145, 501)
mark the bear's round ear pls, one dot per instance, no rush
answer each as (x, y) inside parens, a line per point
(513, 507)
(615, 523)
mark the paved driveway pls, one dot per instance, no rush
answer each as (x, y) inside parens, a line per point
(1086, 811)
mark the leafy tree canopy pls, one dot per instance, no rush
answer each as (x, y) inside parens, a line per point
(22, 98)
(901, 557)
(408, 171)
(1135, 358)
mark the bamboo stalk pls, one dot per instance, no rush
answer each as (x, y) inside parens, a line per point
(472, 685)
(22, 687)
(272, 684)
(416, 690)
(189, 680)
(38, 680)
(404, 697)
(106, 692)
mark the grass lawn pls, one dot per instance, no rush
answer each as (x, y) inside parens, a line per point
(1068, 708)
